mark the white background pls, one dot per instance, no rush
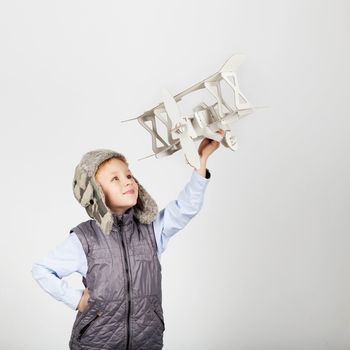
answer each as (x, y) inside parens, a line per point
(265, 264)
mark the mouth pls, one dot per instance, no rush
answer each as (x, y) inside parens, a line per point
(130, 192)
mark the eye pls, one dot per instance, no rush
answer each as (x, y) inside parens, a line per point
(129, 176)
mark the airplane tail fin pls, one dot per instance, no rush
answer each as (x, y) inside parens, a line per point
(127, 120)
(151, 155)
(233, 63)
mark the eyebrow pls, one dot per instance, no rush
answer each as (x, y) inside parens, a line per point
(117, 172)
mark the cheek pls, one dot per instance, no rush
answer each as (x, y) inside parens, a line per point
(136, 185)
(116, 193)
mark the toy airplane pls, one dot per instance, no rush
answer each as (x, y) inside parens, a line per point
(205, 121)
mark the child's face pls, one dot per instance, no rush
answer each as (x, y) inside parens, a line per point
(116, 179)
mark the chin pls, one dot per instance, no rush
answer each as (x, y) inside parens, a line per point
(133, 202)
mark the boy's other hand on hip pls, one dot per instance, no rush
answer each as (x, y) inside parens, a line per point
(84, 300)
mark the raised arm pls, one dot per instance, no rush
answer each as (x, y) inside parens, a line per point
(176, 215)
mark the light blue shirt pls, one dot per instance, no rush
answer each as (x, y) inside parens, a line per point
(69, 256)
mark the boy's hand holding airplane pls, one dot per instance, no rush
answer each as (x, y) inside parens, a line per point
(205, 149)
(208, 146)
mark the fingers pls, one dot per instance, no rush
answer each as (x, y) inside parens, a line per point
(203, 144)
(221, 132)
(208, 145)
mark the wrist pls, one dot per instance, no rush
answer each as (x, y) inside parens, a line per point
(203, 161)
(202, 167)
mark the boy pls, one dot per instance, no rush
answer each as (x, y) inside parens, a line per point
(118, 253)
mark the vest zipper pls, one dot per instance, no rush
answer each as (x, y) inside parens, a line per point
(128, 283)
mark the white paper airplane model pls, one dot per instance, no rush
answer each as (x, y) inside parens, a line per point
(205, 121)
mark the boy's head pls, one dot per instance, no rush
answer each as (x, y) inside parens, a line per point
(118, 185)
(100, 183)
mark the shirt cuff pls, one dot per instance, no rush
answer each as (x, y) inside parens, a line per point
(198, 181)
(207, 174)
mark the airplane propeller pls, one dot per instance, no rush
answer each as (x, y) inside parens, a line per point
(181, 129)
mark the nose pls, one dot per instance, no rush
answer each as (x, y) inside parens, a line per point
(128, 182)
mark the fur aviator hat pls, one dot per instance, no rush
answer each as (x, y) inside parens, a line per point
(89, 193)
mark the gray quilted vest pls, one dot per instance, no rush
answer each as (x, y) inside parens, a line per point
(124, 311)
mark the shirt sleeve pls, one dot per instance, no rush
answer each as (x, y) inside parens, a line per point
(176, 215)
(65, 259)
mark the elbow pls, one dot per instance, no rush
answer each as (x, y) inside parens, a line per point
(196, 205)
(34, 271)
(37, 271)
(196, 208)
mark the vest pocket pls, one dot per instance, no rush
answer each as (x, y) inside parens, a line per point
(141, 251)
(83, 330)
(88, 317)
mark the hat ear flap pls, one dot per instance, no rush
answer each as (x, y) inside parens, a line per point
(80, 186)
(146, 208)
(90, 195)
(97, 208)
